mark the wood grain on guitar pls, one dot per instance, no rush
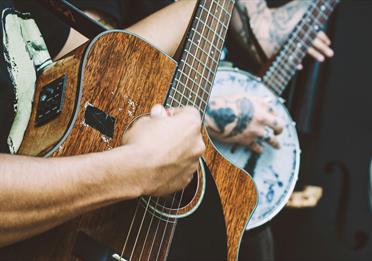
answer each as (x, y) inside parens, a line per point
(145, 74)
(117, 78)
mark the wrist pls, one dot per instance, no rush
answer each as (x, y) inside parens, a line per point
(123, 172)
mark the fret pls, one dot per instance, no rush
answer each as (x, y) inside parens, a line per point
(202, 83)
(185, 100)
(204, 57)
(203, 51)
(212, 30)
(278, 75)
(320, 12)
(296, 46)
(217, 48)
(179, 93)
(200, 90)
(186, 91)
(170, 102)
(282, 77)
(204, 65)
(211, 73)
(188, 99)
(193, 80)
(227, 13)
(215, 18)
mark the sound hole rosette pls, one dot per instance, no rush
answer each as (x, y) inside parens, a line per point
(184, 208)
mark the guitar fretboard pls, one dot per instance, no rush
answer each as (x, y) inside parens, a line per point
(294, 50)
(193, 80)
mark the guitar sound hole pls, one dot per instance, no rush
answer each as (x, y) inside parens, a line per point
(169, 205)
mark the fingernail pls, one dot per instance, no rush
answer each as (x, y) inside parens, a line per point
(158, 111)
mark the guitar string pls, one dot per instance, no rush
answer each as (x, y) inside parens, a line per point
(195, 98)
(228, 15)
(197, 22)
(277, 76)
(183, 190)
(216, 34)
(273, 74)
(198, 46)
(139, 230)
(147, 233)
(130, 229)
(194, 103)
(198, 87)
(280, 76)
(145, 213)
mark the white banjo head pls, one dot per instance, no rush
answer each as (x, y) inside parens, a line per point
(276, 171)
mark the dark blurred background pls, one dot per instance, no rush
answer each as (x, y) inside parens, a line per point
(332, 105)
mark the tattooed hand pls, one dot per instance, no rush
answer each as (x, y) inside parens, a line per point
(273, 26)
(241, 119)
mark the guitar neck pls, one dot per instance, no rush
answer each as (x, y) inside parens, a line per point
(192, 83)
(285, 64)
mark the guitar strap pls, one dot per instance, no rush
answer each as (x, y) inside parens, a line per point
(7, 94)
(25, 53)
(74, 17)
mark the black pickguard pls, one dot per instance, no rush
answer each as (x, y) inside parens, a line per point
(202, 236)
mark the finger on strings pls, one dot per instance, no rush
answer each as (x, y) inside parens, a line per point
(273, 142)
(322, 47)
(158, 111)
(322, 36)
(274, 123)
(315, 54)
(255, 147)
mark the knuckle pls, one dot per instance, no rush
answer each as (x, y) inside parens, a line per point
(259, 133)
(202, 147)
(260, 118)
(192, 111)
(199, 150)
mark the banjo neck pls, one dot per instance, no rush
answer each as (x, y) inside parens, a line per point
(284, 66)
(192, 83)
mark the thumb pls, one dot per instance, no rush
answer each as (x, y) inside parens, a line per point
(158, 111)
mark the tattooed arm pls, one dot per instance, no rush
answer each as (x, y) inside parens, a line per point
(272, 26)
(242, 119)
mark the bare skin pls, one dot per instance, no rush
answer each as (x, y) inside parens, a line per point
(154, 28)
(38, 194)
(271, 27)
(242, 120)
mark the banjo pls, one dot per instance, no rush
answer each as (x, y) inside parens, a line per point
(275, 172)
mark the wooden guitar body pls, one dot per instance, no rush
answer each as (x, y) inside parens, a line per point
(108, 83)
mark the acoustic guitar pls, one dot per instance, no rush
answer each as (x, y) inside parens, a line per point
(84, 103)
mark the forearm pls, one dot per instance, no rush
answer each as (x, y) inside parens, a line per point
(37, 194)
(166, 28)
(163, 29)
(272, 26)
